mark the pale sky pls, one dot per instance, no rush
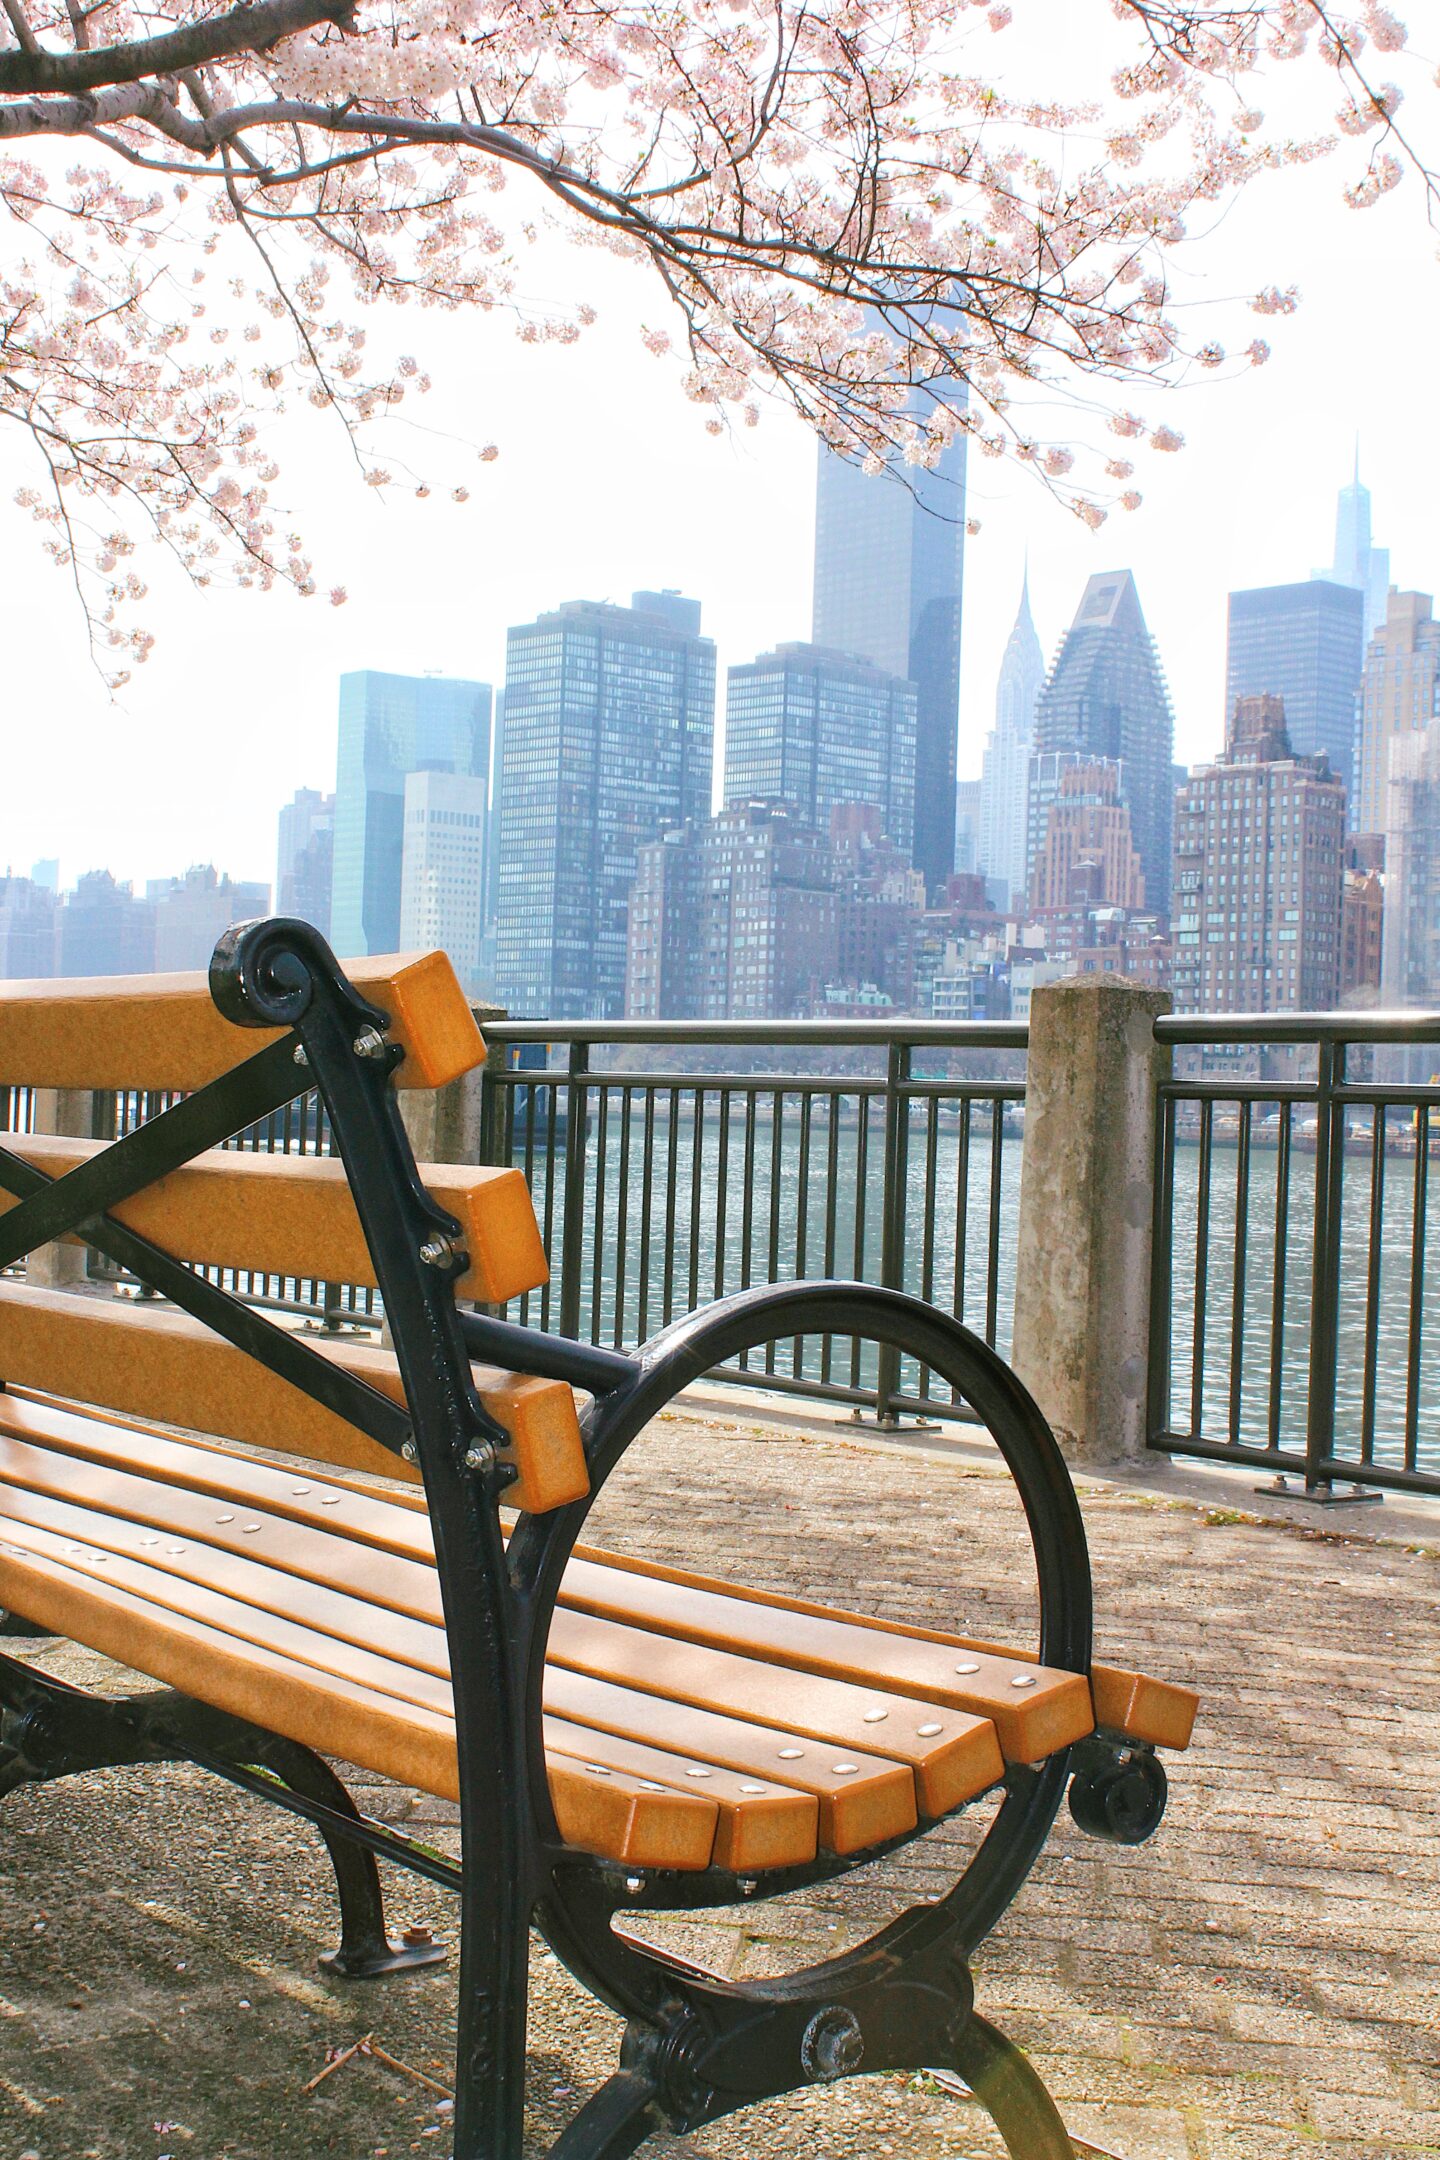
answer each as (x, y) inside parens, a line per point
(606, 482)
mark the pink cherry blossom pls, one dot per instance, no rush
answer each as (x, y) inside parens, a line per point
(837, 200)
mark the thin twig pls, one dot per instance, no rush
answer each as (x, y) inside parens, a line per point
(407, 2069)
(359, 2047)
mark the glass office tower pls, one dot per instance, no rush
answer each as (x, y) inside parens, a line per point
(816, 729)
(1107, 698)
(391, 725)
(1306, 645)
(889, 555)
(609, 731)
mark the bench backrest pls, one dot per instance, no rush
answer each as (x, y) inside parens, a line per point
(287, 1215)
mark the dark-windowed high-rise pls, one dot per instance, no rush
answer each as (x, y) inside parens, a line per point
(815, 729)
(609, 731)
(1306, 645)
(1106, 698)
(391, 725)
(889, 553)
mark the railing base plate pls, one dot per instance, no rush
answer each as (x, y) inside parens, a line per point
(1321, 1495)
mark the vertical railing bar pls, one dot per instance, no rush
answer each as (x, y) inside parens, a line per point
(962, 1213)
(992, 1257)
(646, 1202)
(597, 1241)
(832, 1205)
(622, 1215)
(1280, 1270)
(1161, 1378)
(697, 1190)
(802, 1222)
(575, 1191)
(1237, 1278)
(722, 1182)
(1372, 1285)
(672, 1172)
(777, 1150)
(927, 1222)
(1417, 1287)
(862, 1164)
(1202, 1262)
(1325, 1274)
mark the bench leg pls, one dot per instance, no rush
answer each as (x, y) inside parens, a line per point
(366, 1951)
(614, 2122)
(1010, 2090)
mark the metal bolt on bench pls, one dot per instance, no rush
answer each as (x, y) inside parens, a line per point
(776, 1744)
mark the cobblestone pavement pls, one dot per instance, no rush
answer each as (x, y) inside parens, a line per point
(1263, 1980)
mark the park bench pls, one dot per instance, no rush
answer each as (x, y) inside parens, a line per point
(414, 1599)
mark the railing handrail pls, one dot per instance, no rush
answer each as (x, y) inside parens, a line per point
(1299, 1027)
(822, 1034)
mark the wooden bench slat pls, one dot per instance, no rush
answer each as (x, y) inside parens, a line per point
(617, 1815)
(164, 1032)
(323, 1581)
(1036, 1710)
(762, 1824)
(1159, 1713)
(867, 1806)
(153, 1362)
(293, 1215)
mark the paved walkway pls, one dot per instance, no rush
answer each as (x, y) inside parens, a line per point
(1263, 1980)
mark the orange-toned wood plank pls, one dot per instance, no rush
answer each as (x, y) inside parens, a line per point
(153, 1362)
(293, 1214)
(620, 1816)
(948, 1751)
(1036, 1710)
(762, 1823)
(861, 1807)
(163, 1031)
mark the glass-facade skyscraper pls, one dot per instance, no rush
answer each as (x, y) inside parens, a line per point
(1357, 560)
(1107, 698)
(889, 555)
(816, 729)
(609, 734)
(1305, 644)
(391, 725)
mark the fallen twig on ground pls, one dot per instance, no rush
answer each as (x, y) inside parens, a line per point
(368, 2046)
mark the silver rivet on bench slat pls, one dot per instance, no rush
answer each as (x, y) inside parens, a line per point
(248, 1529)
(149, 1540)
(330, 1499)
(928, 1732)
(1024, 1679)
(876, 1717)
(647, 1786)
(299, 1491)
(844, 1769)
(224, 1518)
(598, 1768)
(174, 1549)
(697, 1773)
(791, 1754)
(752, 1788)
(968, 1667)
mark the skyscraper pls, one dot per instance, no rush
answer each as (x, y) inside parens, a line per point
(442, 877)
(889, 557)
(303, 857)
(1358, 562)
(1005, 778)
(1259, 872)
(1411, 967)
(391, 725)
(1107, 698)
(1399, 693)
(815, 728)
(1088, 831)
(609, 730)
(1303, 644)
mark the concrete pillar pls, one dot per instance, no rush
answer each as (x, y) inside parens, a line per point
(444, 1123)
(70, 1111)
(1082, 1291)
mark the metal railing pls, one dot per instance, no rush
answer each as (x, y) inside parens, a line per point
(1293, 1218)
(670, 1178)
